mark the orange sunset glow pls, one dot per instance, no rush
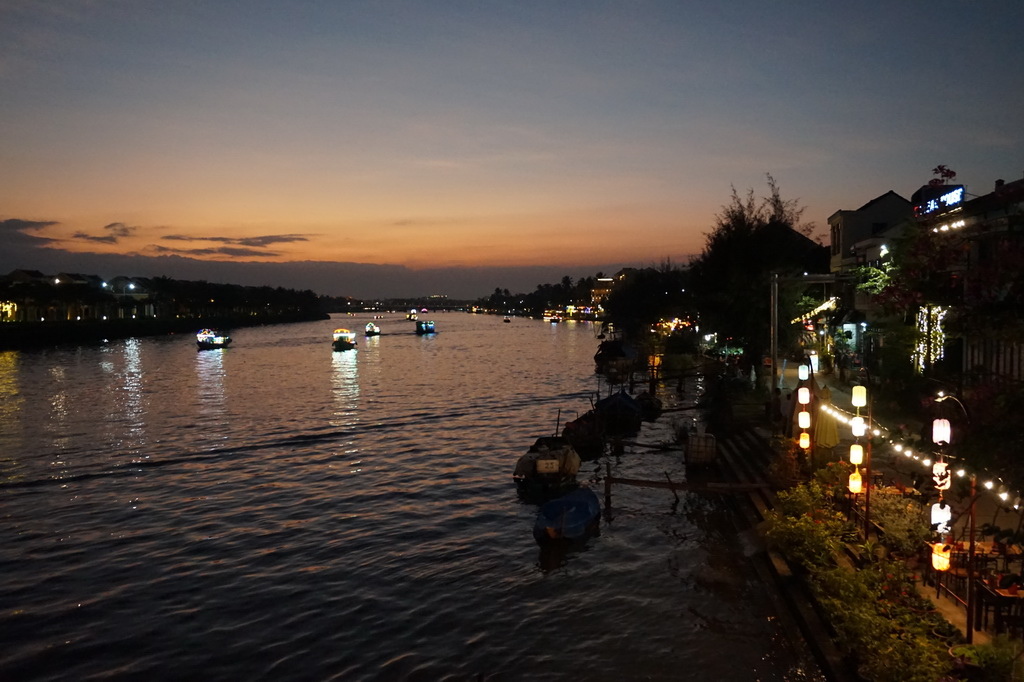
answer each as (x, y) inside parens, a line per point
(532, 140)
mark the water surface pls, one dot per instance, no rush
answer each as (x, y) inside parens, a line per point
(277, 510)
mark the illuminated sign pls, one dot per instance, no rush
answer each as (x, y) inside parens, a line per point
(945, 198)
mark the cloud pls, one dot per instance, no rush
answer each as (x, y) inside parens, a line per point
(16, 233)
(115, 231)
(234, 252)
(264, 240)
(18, 225)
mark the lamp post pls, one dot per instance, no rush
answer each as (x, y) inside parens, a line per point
(969, 627)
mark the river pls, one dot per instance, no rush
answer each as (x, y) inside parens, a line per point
(280, 511)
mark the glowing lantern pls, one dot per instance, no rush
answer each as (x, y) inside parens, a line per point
(803, 395)
(940, 474)
(805, 440)
(855, 482)
(942, 518)
(941, 433)
(940, 556)
(856, 454)
(859, 426)
(802, 372)
(803, 420)
(860, 396)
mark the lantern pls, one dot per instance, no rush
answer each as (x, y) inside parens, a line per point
(940, 475)
(803, 395)
(859, 426)
(941, 433)
(942, 517)
(859, 396)
(803, 420)
(805, 440)
(856, 454)
(940, 556)
(802, 373)
(855, 482)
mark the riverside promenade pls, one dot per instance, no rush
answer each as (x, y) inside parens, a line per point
(892, 466)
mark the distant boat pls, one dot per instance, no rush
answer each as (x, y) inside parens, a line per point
(572, 516)
(412, 315)
(344, 339)
(507, 319)
(425, 327)
(208, 339)
(372, 329)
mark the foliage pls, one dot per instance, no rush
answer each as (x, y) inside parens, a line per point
(646, 295)
(922, 268)
(805, 526)
(752, 239)
(999, 661)
(882, 623)
(544, 297)
(904, 522)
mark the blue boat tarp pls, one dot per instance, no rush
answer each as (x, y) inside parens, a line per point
(569, 517)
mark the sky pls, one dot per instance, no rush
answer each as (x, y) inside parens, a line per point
(387, 149)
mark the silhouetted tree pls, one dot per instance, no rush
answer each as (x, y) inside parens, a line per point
(752, 238)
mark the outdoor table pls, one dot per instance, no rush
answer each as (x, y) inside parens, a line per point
(1002, 603)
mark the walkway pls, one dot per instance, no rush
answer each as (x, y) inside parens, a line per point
(894, 467)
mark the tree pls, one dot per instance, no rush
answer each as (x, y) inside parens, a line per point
(752, 238)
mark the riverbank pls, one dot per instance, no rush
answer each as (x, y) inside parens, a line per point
(34, 335)
(889, 470)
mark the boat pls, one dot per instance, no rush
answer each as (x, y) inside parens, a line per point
(650, 405)
(548, 468)
(620, 414)
(507, 319)
(586, 435)
(208, 339)
(412, 315)
(425, 327)
(344, 339)
(573, 516)
(614, 357)
(372, 329)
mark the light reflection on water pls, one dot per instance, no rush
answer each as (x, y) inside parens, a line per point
(277, 510)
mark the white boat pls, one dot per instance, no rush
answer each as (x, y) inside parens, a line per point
(344, 339)
(208, 339)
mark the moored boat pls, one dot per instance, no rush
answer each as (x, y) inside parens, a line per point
(650, 405)
(571, 517)
(548, 468)
(425, 327)
(208, 339)
(372, 329)
(586, 435)
(620, 414)
(344, 339)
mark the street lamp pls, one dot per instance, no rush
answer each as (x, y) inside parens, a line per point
(944, 430)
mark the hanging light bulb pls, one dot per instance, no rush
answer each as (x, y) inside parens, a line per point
(855, 482)
(856, 454)
(803, 420)
(860, 396)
